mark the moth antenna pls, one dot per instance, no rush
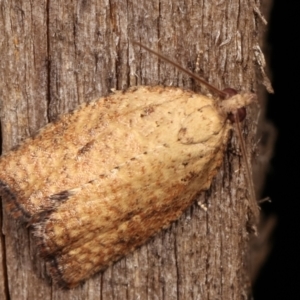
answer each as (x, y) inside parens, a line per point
(249, 180)
(191, 74)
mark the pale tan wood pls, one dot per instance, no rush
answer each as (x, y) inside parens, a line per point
(55, 55)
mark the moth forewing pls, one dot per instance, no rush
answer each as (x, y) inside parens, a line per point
(135, 161)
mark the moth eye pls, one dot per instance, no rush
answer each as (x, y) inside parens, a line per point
(241, 112)
(230, 92)
(240, 115)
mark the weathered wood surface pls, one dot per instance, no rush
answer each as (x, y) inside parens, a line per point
(56, 55)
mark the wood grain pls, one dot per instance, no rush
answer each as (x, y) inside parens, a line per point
(56, 55)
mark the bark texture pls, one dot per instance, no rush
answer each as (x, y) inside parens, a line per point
(58, 54)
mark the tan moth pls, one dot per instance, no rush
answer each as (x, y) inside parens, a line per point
(103, 179)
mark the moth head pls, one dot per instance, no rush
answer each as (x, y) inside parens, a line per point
(234, 104)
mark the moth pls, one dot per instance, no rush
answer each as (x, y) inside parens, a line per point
(101, 180)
